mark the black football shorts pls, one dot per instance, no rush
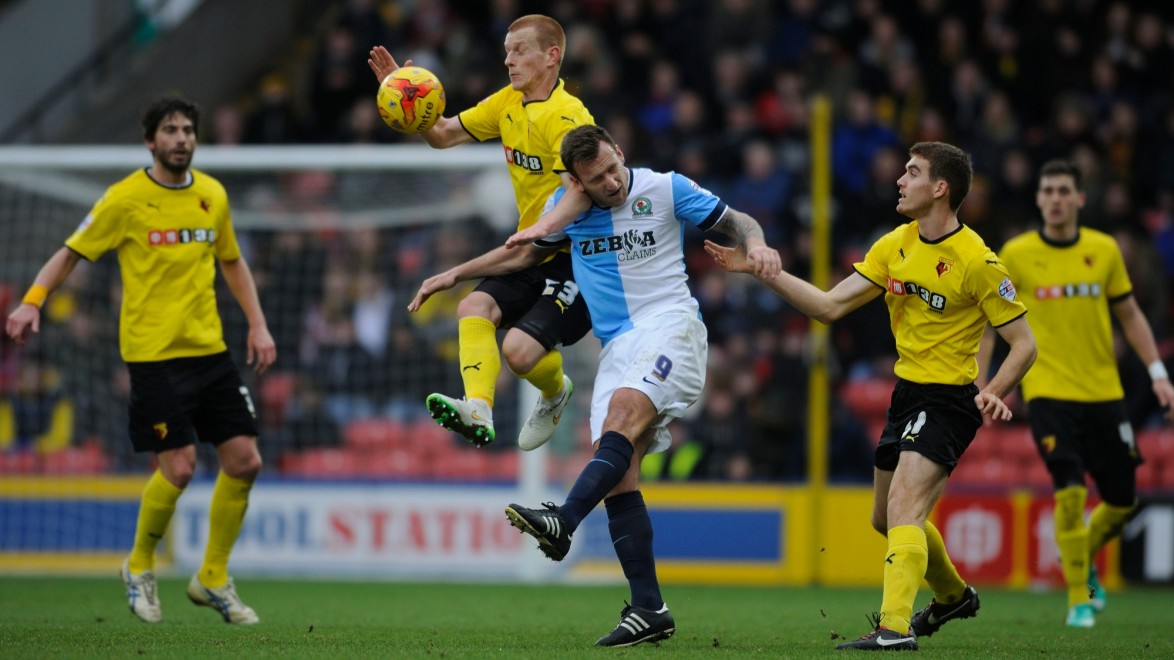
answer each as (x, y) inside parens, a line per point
(1074, 438)
(542, 301)
(936, 421)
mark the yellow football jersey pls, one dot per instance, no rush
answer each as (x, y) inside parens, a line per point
(1068, 288)
(940, 296)
(168, 241)
(531, 134)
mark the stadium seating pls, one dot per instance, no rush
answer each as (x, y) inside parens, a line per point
(377, 433)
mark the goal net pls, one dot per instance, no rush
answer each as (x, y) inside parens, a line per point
(339, 239)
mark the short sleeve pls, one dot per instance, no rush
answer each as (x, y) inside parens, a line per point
(991, 285)
(1117, 285)
(227, 248)
(482, 121)
(875, 267)
(102, 230)
(693, 203)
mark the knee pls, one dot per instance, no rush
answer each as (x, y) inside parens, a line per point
(478, 305)
(177, 467)
(244, 465)
(521, 352)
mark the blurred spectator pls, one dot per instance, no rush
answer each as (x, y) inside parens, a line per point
(274, 120)
(855, 142)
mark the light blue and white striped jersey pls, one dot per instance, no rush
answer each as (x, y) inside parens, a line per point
(630, 261)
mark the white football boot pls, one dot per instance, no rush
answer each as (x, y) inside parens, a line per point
(141, 593)
(545, 418)
(223, 599)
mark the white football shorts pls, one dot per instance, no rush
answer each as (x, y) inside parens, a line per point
(665, 359)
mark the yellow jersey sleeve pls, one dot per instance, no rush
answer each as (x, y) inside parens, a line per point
(483, 120)
(1117, 286)
(992, 287)
(226, 248)
(102, 230)
(875, 266)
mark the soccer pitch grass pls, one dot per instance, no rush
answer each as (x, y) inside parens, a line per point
(88, 617)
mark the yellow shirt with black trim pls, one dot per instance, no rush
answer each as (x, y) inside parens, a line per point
(531, 134)
(940, 295)
(168, 241)
(1069, 287)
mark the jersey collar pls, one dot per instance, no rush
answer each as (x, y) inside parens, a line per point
(1059, 244)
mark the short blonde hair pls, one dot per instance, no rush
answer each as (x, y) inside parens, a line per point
(546, 30)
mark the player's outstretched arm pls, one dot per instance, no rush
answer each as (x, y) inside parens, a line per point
(573, 203)
(262, 350)
(1140, 335)
(764, 261)
(447, 131)
(823, 306)
(382, 63)
(498, 261)
(51, 275)
(989, 399)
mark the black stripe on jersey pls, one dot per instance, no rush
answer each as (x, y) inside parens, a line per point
(467, 130)
(1116, 299)
(546, 243)
(713, 217)
(79, 254)
(880, 286)
(1012, 320)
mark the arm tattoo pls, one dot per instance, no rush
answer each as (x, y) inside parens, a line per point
(739, 226)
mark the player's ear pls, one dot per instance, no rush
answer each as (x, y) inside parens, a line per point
(620, 154)
(941, 188)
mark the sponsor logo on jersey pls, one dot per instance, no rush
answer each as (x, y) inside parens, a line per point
(936, 301)
(532, 164)
(180, 236)
(1070, 290)
(630, 245)
(1007, 289)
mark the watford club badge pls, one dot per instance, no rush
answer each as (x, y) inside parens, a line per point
(944, 266)
(160, 431)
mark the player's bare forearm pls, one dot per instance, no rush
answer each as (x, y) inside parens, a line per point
(447, 132)
(802, 295)
(1019, 359)
(824, 306)
(261, 349)
(498, 261)
(240, 282)
(1140, 335)
(27, 315)
(1136, 330)
(764, 262)
(573, 203)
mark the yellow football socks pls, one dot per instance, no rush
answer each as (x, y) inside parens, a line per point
(1105, 522)
(1072, 541)
(226, 514)
(547, 375)
(905, 566)
(155, 509)
(948, 586)
(480, 359)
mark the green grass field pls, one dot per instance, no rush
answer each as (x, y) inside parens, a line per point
(88, 617)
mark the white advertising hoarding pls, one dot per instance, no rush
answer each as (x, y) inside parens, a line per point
(377, 530)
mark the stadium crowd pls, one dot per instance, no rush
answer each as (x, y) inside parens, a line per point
(719, 91)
